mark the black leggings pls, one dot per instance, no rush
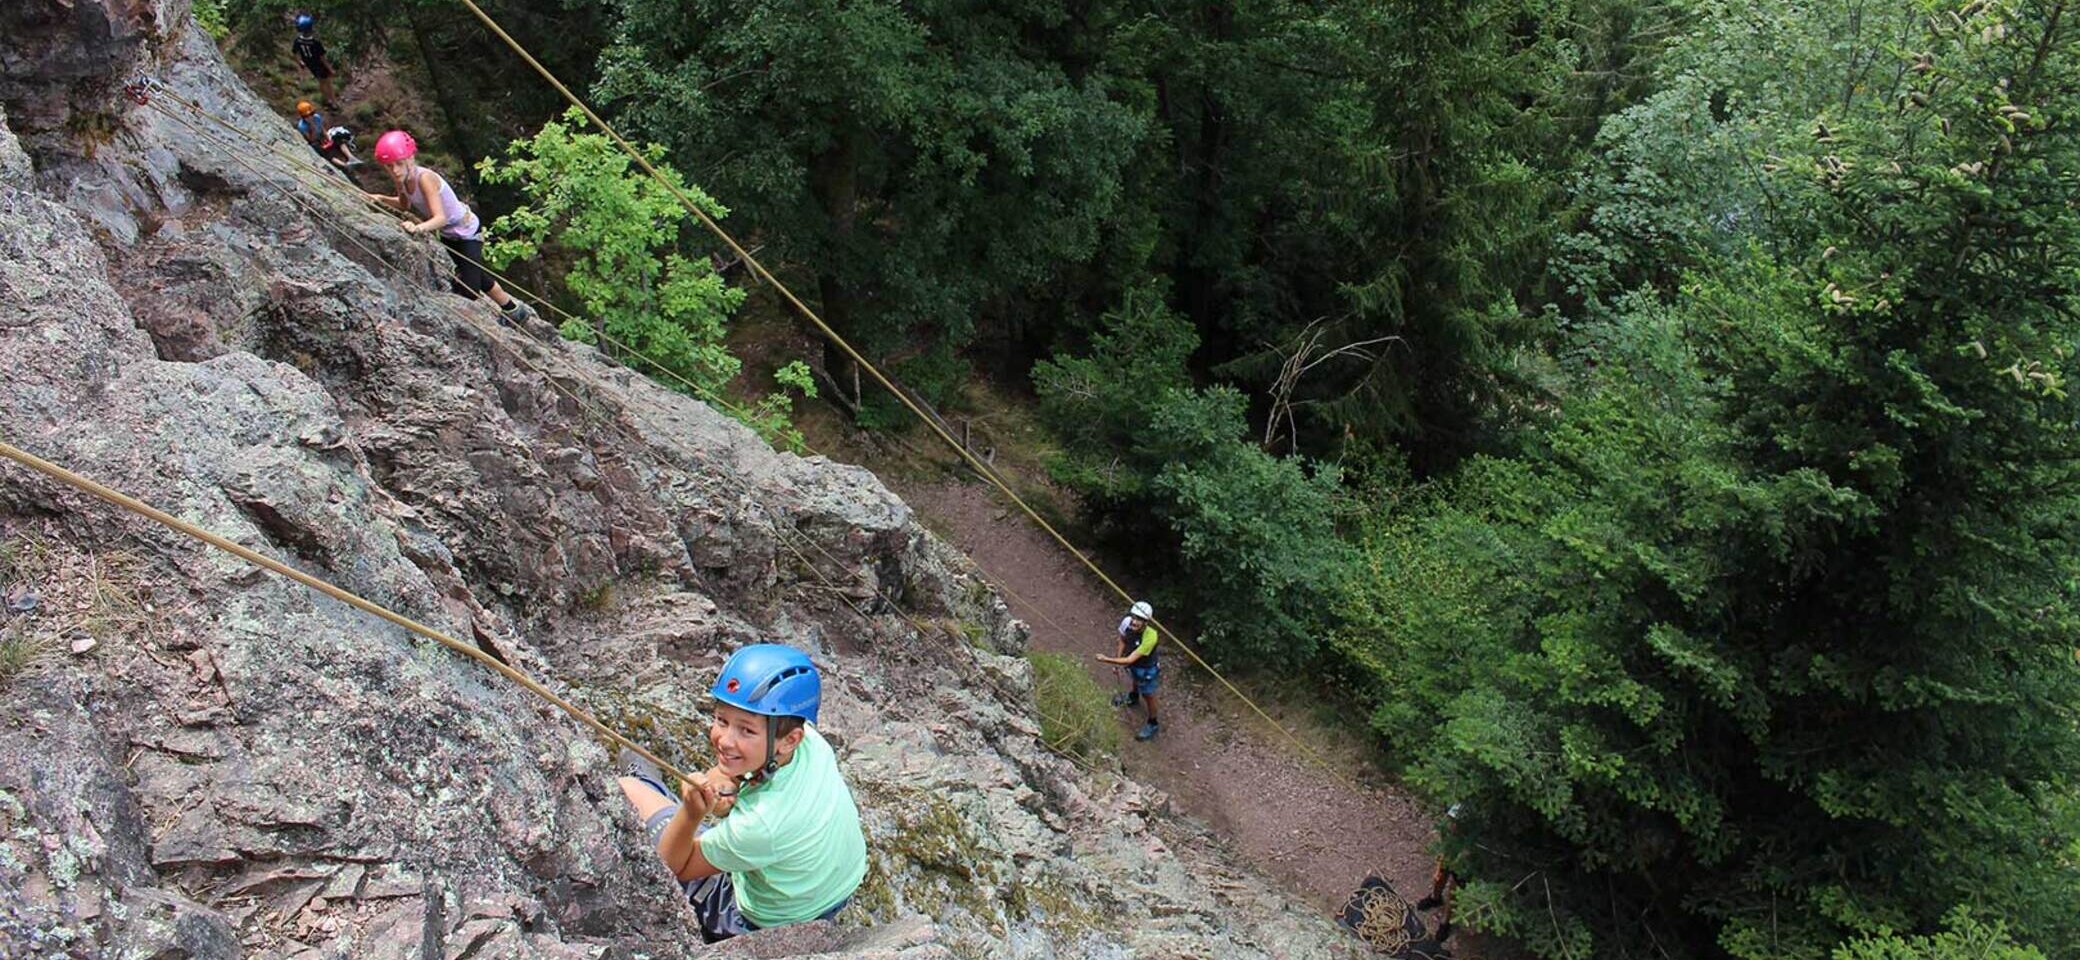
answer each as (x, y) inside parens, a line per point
(470, 279)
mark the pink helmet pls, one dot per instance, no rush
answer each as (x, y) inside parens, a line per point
(394, 146)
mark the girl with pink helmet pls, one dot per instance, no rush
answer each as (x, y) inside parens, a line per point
(426, 194)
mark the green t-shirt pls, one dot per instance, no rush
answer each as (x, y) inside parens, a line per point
(792, 847)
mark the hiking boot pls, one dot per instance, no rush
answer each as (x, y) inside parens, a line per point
(1123, 699)
(1148, 731)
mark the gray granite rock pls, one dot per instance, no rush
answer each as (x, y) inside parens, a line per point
(239, 767)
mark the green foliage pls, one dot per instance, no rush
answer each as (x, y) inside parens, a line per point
(213, 18)
(1076, 713)
(1764, 640)
(772, 414)
(616, 232)
(1256, 536)
(1099, 404)
(1249, 538)
(1966, 938)
(1453, 149)
(923, 159)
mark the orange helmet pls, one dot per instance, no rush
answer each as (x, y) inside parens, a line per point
(304, 108)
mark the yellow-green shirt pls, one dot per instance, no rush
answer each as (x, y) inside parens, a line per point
(1147, 649)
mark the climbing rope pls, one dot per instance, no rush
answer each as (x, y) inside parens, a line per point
(142, 509)
(758, 269)
(326, 181)
(1381, 919)
(323, 179)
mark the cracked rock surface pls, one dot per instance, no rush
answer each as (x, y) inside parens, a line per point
(202, 760)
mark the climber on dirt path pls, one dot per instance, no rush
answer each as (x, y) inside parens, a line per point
(426, 194)
(310, 51)
(786, 846)
(1137, 653)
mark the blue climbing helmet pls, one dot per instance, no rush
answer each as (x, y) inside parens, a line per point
(305, 23)
(773, 680)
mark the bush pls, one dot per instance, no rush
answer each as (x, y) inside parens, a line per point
(619, 230)
(1244, 541)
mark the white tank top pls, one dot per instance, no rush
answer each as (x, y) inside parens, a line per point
(462, 221)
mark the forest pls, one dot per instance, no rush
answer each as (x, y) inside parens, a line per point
(1648, 416)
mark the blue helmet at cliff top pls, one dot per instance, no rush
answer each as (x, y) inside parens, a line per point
(305, 22)
(771, 679)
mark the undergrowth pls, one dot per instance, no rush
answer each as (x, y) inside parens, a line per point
(1075, 712)
(18, 650)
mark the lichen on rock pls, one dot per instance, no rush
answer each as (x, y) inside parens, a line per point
(254, 770)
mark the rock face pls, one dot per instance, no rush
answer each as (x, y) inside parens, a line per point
(204, 761)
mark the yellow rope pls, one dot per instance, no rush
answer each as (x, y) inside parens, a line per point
(265, 562)
(1382, 919)
(325, 180)
(759, 270)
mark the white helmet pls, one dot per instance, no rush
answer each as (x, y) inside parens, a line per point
(1141, 610)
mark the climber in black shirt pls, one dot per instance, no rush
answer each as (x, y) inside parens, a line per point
(309, 49)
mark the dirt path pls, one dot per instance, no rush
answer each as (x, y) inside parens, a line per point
(1319, 832)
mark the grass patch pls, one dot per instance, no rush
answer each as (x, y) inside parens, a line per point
(598, 598)
(115, 606)
(1075, 712)
(61, 595)
(18, 650)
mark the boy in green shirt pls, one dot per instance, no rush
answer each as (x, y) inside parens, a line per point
(786, 846)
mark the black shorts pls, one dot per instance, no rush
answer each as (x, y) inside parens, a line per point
(318, 68)
(470, 279)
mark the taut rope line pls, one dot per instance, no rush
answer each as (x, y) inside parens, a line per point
(142, 509)
(759, 270)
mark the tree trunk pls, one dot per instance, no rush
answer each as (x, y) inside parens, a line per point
(443, 97)
(834, 180)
